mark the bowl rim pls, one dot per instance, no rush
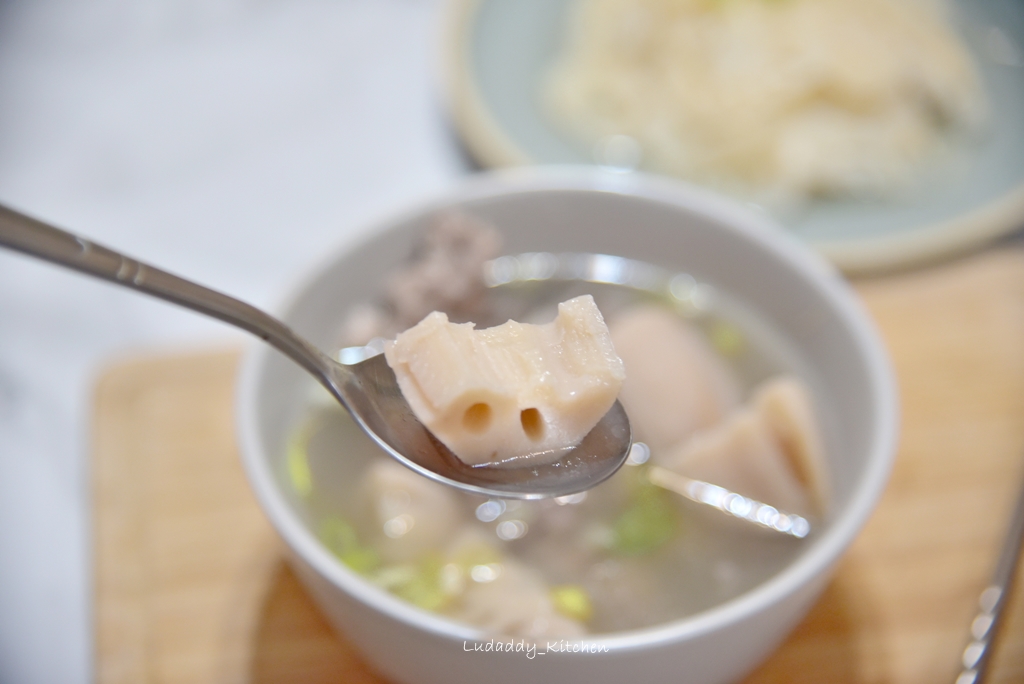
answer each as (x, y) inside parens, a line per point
(756, 228)
(492, 147)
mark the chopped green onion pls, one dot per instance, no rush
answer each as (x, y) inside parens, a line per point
(297, 461)
(338, 535)
(727, 338)
(423, 587)
(572, 601)
(647, 523)
(393, 576)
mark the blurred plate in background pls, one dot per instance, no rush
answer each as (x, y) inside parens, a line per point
(501, 49)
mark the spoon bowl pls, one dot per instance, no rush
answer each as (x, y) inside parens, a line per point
(368, 390)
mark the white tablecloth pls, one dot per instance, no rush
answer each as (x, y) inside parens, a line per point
(231, 141)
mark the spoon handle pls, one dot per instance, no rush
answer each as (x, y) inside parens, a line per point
(30, 236)
(986, 623)
(736, 505)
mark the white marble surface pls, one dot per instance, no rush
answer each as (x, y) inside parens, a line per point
(230, 141)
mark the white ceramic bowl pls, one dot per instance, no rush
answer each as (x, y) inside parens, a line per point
(661, 222)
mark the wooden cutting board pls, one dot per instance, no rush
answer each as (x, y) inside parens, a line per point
(191, 585)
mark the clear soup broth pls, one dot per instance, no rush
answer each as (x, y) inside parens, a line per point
(624, 555)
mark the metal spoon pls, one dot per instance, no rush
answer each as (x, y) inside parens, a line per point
(738, 506)
(368, 390)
